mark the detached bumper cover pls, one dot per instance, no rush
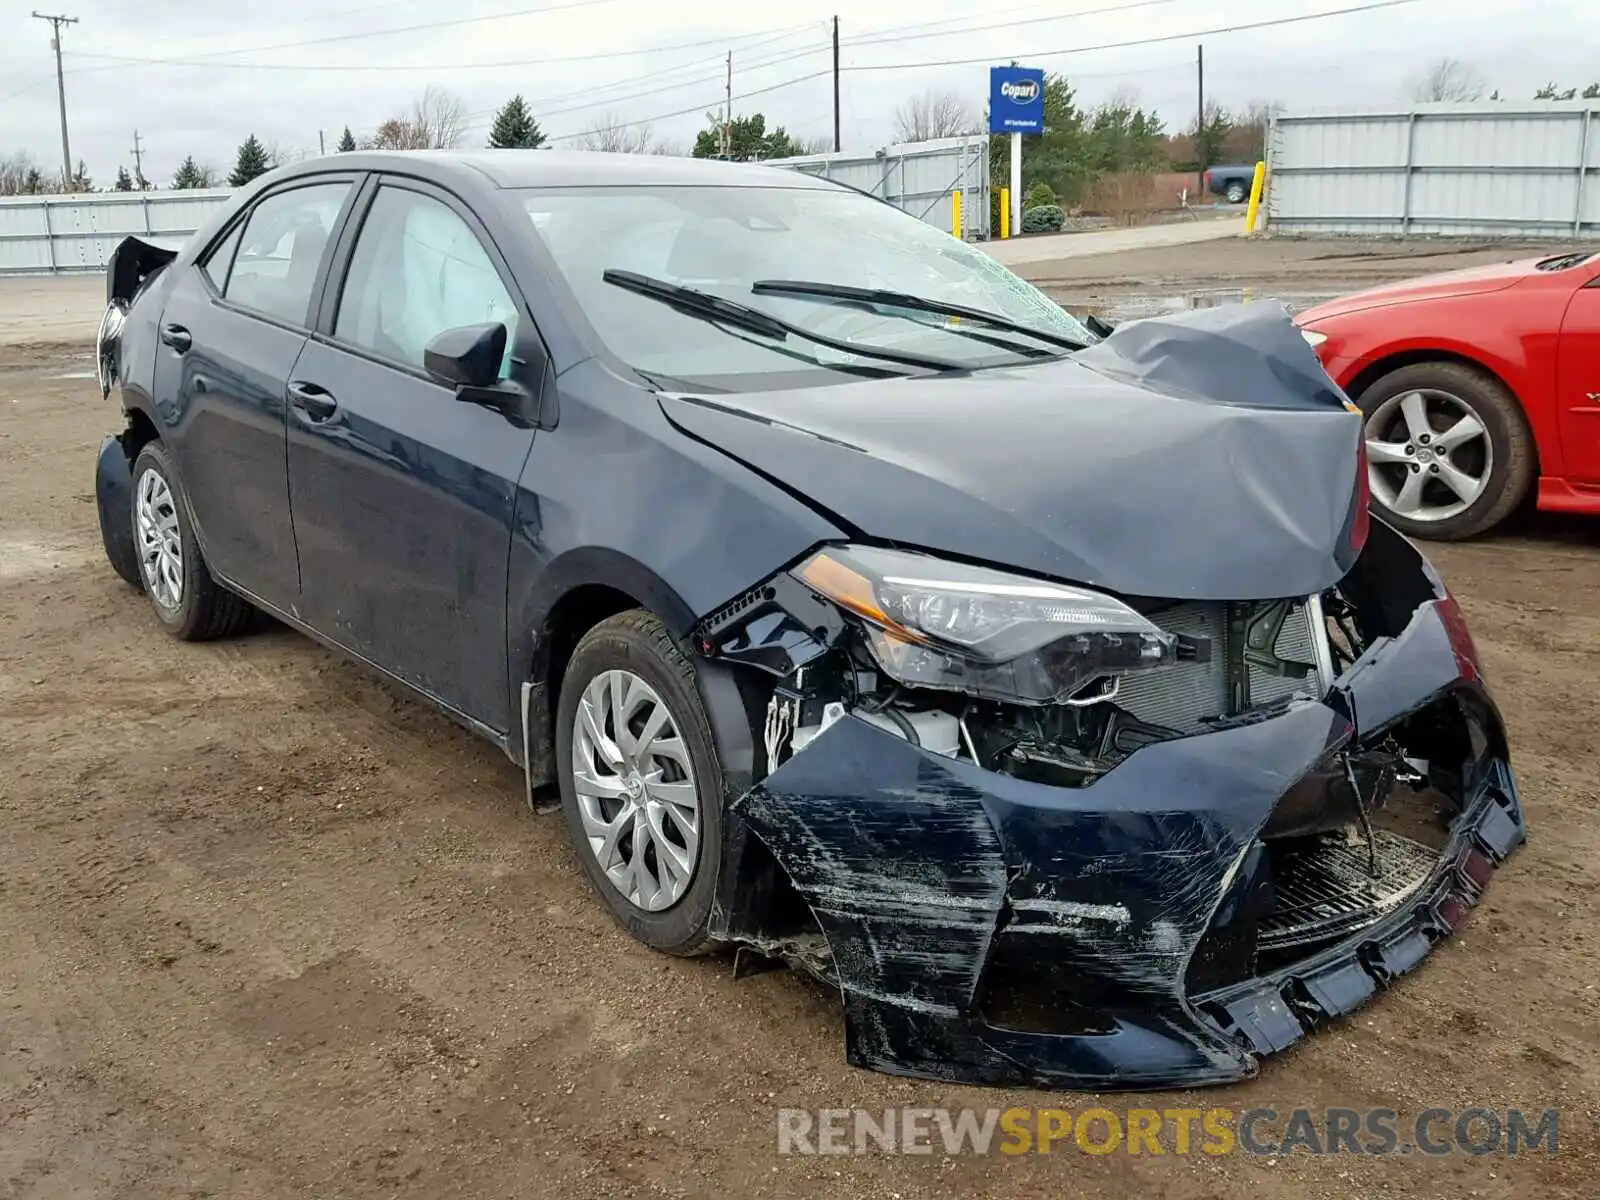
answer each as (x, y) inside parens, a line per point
(927, 875)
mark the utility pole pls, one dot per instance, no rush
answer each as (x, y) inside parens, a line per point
(727, 113)
(56, 22)
(1200, 125)
(138, 163)
(322, 144)
(836, 146)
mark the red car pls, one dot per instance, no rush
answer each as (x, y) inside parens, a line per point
(1479, 386)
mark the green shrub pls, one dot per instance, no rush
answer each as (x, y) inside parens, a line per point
(1043, 218)
(1040, 195)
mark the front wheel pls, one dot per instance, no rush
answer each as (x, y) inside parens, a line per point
(1449, 451)
(188, 602)
(641, 782)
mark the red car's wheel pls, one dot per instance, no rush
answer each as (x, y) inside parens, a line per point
(1448, 449)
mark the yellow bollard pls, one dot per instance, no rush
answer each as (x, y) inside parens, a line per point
(955, 212)
(1255, 197)
(1005, 212)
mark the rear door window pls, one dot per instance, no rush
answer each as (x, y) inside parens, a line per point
(285, 239)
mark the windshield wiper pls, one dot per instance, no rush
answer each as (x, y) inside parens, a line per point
(695, 303)
(861, 295)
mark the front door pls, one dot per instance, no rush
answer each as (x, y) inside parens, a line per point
(1578, 385)
(402, 494)
(231, 332)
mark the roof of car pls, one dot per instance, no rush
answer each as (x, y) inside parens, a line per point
(568, 168)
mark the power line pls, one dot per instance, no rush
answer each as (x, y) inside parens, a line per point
(1068, 16)
(1145, 41)
(989, 58)
(764, 36)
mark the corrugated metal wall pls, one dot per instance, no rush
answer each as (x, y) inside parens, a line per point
(918, 177)
(79, 232)
(53, 234)
(1493, 168)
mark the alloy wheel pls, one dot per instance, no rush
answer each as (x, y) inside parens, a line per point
(636, 791)
(160, 540)
(1429, 456)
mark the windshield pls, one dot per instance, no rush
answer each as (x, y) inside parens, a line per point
(723, 240)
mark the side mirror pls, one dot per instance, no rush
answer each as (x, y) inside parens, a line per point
(1098, 326)
(468, 356)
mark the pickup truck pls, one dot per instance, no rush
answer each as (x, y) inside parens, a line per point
(1231, 181)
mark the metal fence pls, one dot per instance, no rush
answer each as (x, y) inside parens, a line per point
(919, 177)
(1484, 169)
(58, 234)
(49, 234)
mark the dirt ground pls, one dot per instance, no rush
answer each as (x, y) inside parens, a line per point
(1298, 271)
(267, 928)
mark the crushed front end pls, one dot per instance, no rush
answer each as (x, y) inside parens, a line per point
(1194, 834)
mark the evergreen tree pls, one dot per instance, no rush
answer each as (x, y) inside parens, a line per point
(252, 162)
(190, 176)
(347, 142)
(124, 180)
(749, 140)
(514, 128)
(80, 181)
(33, 182)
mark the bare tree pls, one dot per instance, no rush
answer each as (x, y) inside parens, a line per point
(933, 114)
(440, 118)
(815, 145)
(1251, 128)
(613, 135)
(1449, 79)
(20, 175)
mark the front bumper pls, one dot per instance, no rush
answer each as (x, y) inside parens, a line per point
(940, 886)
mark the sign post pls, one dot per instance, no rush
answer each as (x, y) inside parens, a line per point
(1016, 106)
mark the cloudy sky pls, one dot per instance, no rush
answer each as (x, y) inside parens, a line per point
(195, 78)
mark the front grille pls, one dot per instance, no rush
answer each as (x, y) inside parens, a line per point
(1328, 889)
(1188, 695)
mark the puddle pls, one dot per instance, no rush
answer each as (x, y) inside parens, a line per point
(1158, 304)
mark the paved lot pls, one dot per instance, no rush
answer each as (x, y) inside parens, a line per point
(269, 929)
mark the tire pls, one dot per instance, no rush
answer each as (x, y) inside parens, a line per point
(1452, 390)
(203, 609)
(636, 644)
(1236, 193)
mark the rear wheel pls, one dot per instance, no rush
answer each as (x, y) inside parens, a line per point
(1236, 192)
(641, 784)
(1449, 452)
(188, 602)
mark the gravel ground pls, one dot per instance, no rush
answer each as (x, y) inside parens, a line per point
(268, 928)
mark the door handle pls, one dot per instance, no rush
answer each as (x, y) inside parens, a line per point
(317, 403)
(177, 337)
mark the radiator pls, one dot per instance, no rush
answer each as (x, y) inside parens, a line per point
(1184, 697)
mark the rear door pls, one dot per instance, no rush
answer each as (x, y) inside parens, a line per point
(1578, 384)
(231, 332)
(403, 495)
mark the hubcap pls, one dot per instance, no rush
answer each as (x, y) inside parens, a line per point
(160, 543)
(636, 790)
(1428, 455)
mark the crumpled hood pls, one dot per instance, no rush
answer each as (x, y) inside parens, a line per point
(1205, 456)
(1471, 281)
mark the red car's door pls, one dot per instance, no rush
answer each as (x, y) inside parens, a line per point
(1578, 384)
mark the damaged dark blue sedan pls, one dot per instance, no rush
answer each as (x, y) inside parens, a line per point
(1047, 690)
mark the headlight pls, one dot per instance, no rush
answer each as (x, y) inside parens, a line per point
(937, 624)
(1313, 338)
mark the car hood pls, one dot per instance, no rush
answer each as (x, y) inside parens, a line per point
(1471, 281)
(1205, 455)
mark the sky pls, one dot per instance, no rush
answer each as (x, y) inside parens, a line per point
(196, 79)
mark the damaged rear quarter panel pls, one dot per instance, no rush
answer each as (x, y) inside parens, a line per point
(914, 865)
